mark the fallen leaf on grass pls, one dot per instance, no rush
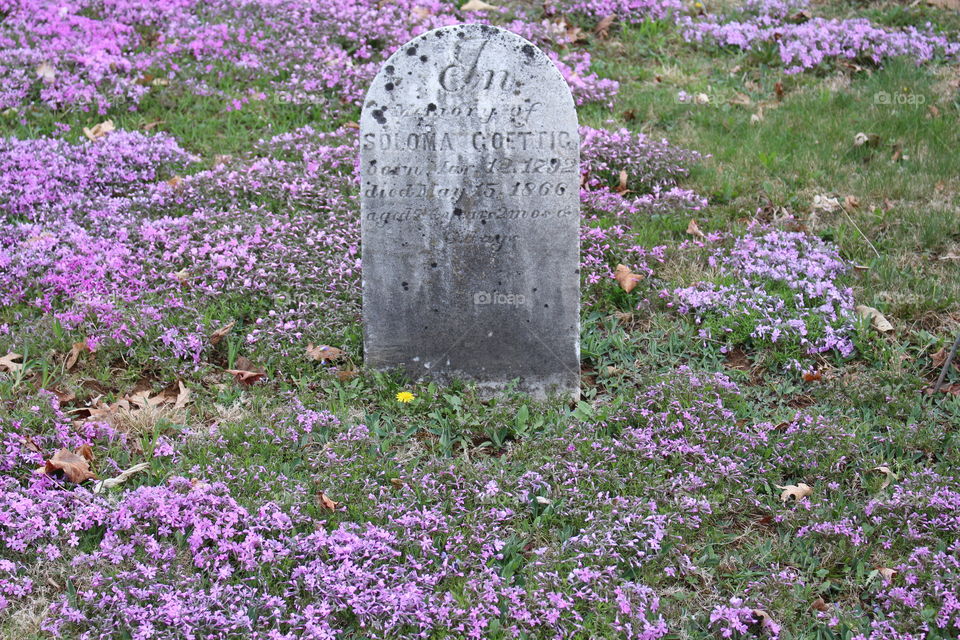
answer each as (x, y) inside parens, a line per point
(603, 27)
(796, 491)
(74, 467)
(778, 90)
(477, 5)
(628, 280)
(343, 375)
(890, 475)
(326, 502)
(220, 333)
(694, 229)
(621, 187)
(953, 5)
(940, 357)
(869, 139)
(812, 376)
(741, 99)
(7, 363)
(763, 619)
(420, 13)
(31, 445)
(75, 351)
(887, 573)
(877, 319)
(246, 372)
(825, 204)
(952, 389)
(110, 483)
(819, 604)
(46, 72)
(851, 202)
(324, 353)
(99, 130)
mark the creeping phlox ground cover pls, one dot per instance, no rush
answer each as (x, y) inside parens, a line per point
(752, 456)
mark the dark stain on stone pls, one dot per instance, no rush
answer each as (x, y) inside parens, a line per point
(405, 285)
(412, 51)
(528, 51)
(431, 108)
(389, 69)
(423, 58)
(433, 264)
(457, 211)
(388, 86)
(378, 116)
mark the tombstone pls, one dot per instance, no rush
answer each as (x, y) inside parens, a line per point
(470, 214)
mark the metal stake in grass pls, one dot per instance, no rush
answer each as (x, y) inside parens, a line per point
(946, 365)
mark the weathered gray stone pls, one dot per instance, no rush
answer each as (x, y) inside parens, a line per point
(470, 203)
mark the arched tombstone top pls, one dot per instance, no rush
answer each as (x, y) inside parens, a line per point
(470, 213)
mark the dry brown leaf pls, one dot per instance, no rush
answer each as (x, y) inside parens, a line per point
(75, 351)
(953, 5)
(420, 13)
(694, 229)
(741, 99)
(757, 118)
(183, 397)
(221, 333)
(763, 618)
(326, 502)
(324, 353)
(819, 604)
(397, 483)
(796, 491)
(99, 130)
(86, 451)
(174, 182)
(603, 27)
(351, 125)
(622, 186)
(7, 363)
(477, 5)
(933, 111)
(74, 467)
(851, 202)
(153, 125)
(877, 319)
(887, 573)
(31, 445)
(343, 374)
(778, 90)
(46, 72)
(110, 483)
(812, 376)
(940, 357)
(614, 371)
(246, 372)
(628, 280)
(890, 476)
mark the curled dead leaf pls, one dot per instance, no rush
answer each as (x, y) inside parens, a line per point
(246, 372)
(110, 483)
(694, 229)
(326, 502)
(603, 27)
(99, 130)
(796, 491)
(477, 5)
(347, 374)
(221, 333)
(887, 573)
(890, 476)
(763, 619)
(621, 187)
(73, 466)
(324, 353)
(877, 319)
(7, 363)
(628, 280)
(46, 72)
(74, 355)
(819, 605)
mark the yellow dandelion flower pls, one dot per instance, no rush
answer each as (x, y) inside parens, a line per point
(405, 397)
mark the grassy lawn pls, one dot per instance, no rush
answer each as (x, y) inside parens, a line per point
(717, 479)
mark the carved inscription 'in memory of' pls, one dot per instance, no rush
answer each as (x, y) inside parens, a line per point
(470, 214)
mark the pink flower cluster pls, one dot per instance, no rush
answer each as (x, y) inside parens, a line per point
(810, 43)
(773, 286)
